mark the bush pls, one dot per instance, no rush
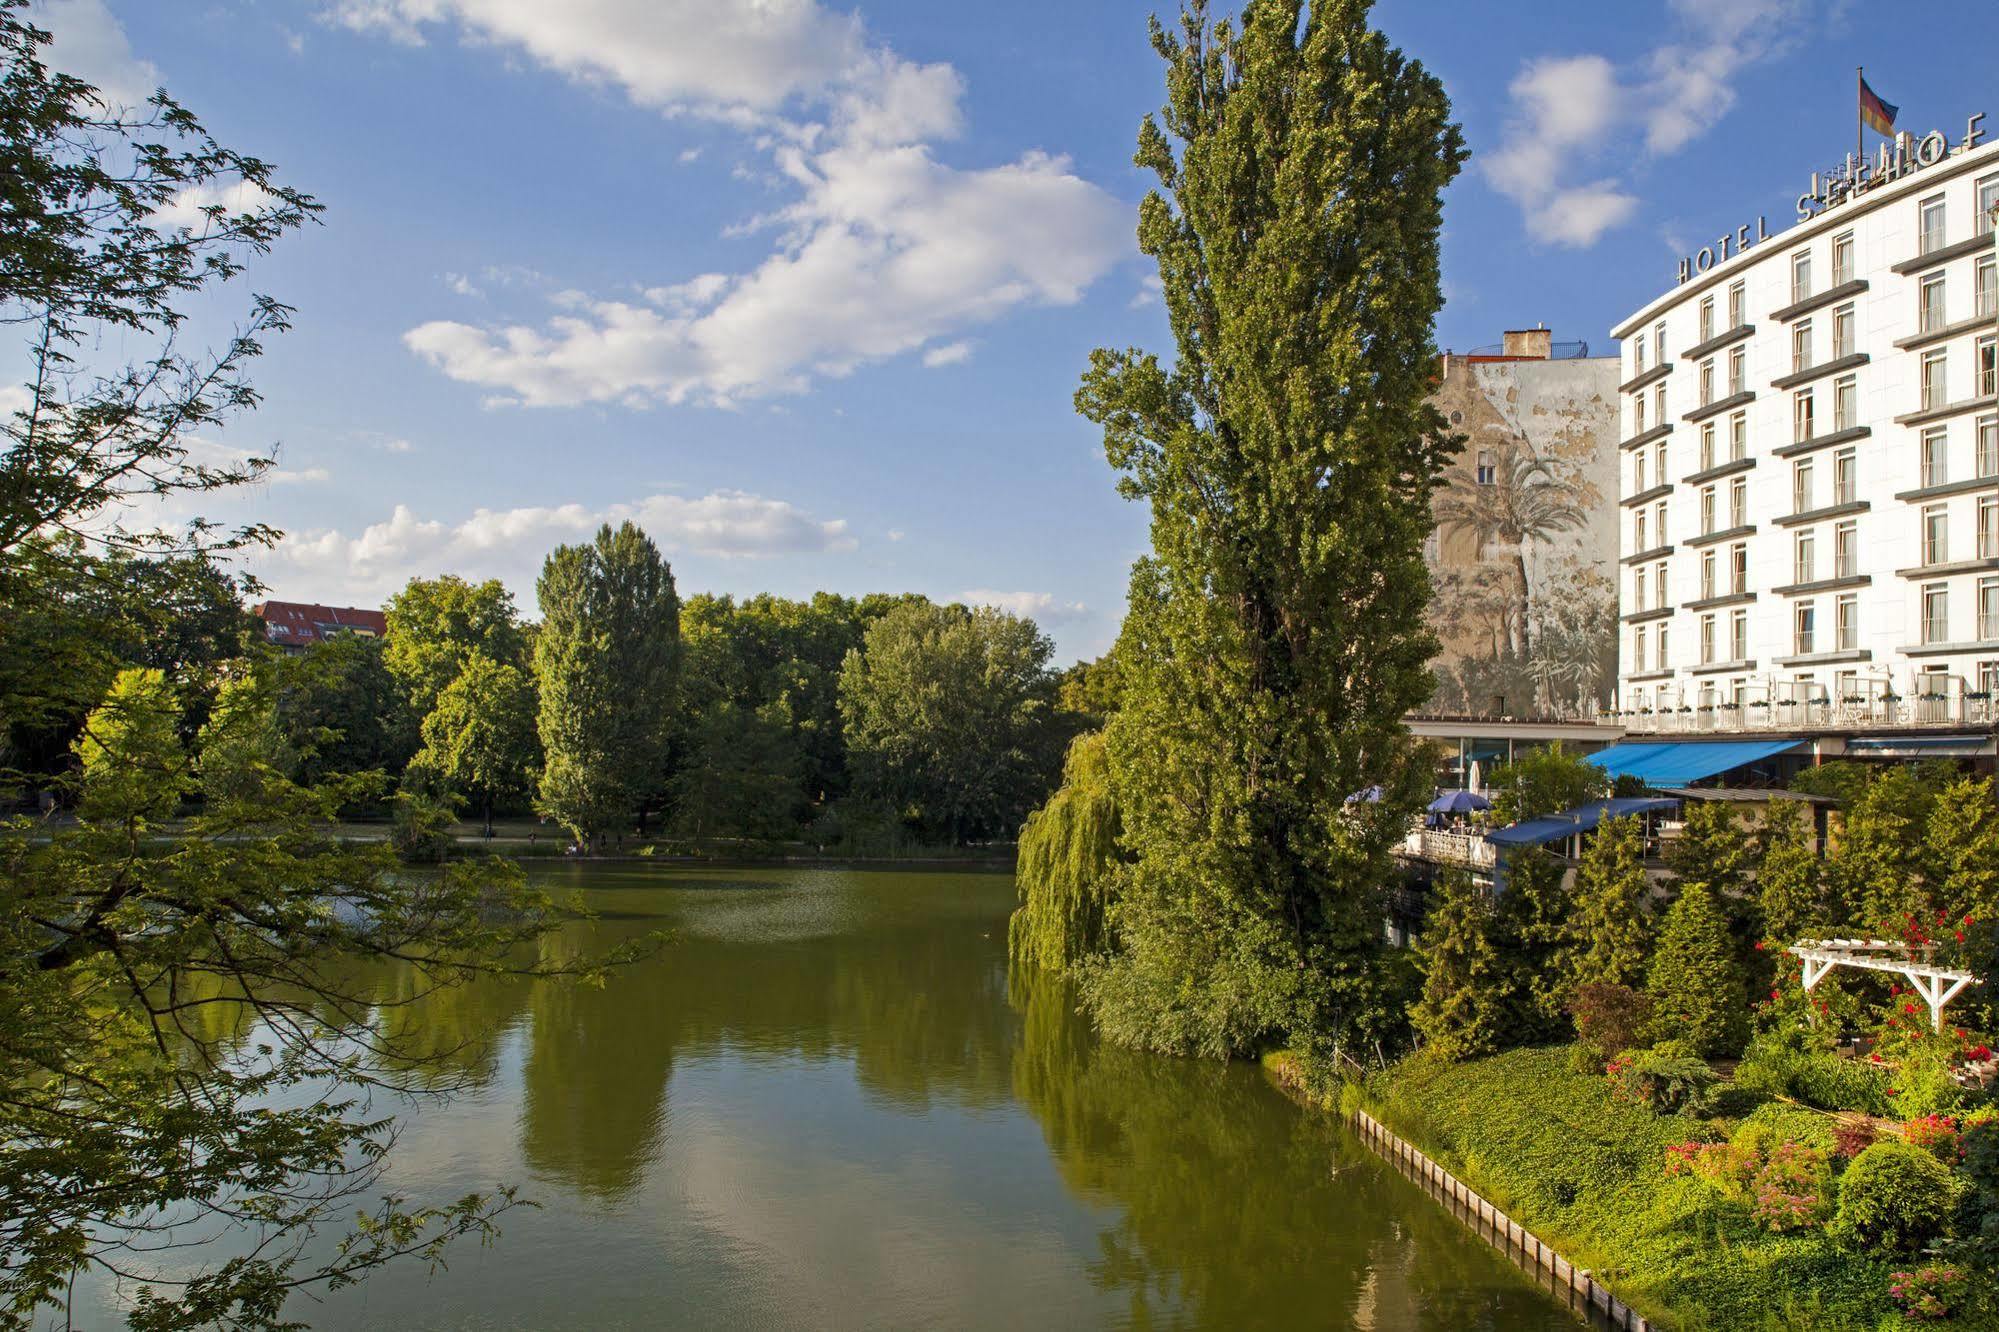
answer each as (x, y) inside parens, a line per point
(1793, 1189)
(421, 832)
(1852, 1138)
(1775, 1123)
(1776, 1066)
(1929, 1294)
(1894, 1196)
(1696, 983)
(1666, 1079)
(1937, 1134)
(1608, 1018)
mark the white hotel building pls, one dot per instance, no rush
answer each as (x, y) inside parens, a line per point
(1809, 466)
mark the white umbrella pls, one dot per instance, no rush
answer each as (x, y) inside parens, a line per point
(1472, 783)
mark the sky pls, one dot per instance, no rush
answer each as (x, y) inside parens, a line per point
(806, 290)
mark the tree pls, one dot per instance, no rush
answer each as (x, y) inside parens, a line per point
(1067, 863)
(1274, 637)
(1611, 929)
(1788, 888)
(1876, 869)
(480, 737)
(1695, 982)
(607, 659)
(343, 712)
(948, 716)
(1467, 1004)
(1536, 917)
(435, 624)
(1544, 781)
(742, 778)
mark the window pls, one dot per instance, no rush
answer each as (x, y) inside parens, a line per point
(1659, 342)
(1988, 368)
(1929, 304)
(1988, 446)
(1845, 549)
(1488, 467)
(1707, 573)
(1936, 613)
(1932, 682)
(1638, 413)
(1801, 486)
(1707, 640)
(1659, 587)
(1659, 404)
(1804, 557)
(1659, 461)
(1659, 520)
(1707, 510)
(1707, 381)
(1988, 609)
(1846, 687)
(1935, 386)
(1738, 370)
(1931, 222)
(1935, 457)
(1738, 567)
(1659, 662)
(1985, 288)
(1845, 402)
(1801, 275)
(1801, 345)
(1988, 197)
(1707, 318)
(1804, 628)
(1988, 677)
(1640, 640)
(1803, 425)
(1936, 534)
(1707, 445)
(1637, 356)
(1738, 436)
(1842, 332)
(1737, 304)
(1842, 259)
(1738, 502)
(1738, 636)
(1846, 623)
(1638, 486)
(1845, 465)
(1637, 591)
(1988, 527)
(1638, 541)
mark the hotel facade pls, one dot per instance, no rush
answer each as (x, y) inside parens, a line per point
(1809, 462)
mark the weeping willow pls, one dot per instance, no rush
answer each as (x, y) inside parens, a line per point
(1068, 851)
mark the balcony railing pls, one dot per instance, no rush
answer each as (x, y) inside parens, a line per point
(1955, 709)
(1447, 848)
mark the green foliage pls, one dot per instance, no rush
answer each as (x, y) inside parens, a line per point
(243, 746)
(1876, 870)
(949, 717)
(1977, 1220)
(1776, 1066)
(741, 778)
(1609, 1019)
(133, 769)
(1695, 982)
(1668, 1079)
(1545, 781)
(1775, 1123)
(479, 736)
(1611, 927)
(1275, 634)
(1066, 865)
(420, 829)
(607, 660)
(1842, 779)
(1537, 914)
(1467, 1008)
(342, 712)
(1894, 1196)
(436, 624)
(1789, 895)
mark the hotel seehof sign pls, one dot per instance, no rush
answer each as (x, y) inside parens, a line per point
(1905, 156)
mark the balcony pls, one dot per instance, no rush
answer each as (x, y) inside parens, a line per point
(1954, 708)
(1469, 850)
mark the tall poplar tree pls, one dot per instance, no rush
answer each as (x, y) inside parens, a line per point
(608, 662)
(1275, 633)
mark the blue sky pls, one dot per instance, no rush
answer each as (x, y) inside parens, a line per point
(806, 290)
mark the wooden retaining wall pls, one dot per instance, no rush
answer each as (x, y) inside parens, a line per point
(1581, 1292)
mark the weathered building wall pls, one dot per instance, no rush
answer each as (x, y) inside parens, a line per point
(1525, 551)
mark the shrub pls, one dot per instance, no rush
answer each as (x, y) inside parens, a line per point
(421, 831)
(1696, 983)
(1929, 1294)
(1665, 1079)
(1608, 1018)
(1726, 1167)
(1775, 1123)
(1895, 1196)
(1777, 1066)
(1938, 1134)
(1853, 1137)
(1792, 1189)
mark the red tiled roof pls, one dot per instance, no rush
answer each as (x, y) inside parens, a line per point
(303, 623)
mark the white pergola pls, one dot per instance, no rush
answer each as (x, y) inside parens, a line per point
(1937, 985)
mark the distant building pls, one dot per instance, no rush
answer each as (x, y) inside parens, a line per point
(1524, 555)
(297, 625)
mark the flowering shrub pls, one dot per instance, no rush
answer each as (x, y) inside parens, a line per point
(1928, 1294)
(1852, 1138)
(1791, 1189)
(1609, 1017)
(1728, 1168)
(1940, 1134)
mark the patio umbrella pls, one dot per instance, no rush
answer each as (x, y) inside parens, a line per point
(1458, 802)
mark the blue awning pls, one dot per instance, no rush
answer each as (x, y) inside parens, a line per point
(1554, 828)
(1677, 762)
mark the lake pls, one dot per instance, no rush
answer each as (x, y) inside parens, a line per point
(824, 1106)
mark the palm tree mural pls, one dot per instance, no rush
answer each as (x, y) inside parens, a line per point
(1502, 496)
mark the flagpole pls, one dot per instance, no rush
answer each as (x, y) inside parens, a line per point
(1859, 117)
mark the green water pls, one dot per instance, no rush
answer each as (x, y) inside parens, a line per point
(821, 1107)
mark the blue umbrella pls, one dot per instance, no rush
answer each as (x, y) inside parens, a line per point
(1458, 802)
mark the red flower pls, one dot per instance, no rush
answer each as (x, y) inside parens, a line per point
(1960, 936)
(1908, 1008)
(1759, 945)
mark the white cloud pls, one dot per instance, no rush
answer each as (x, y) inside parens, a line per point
(951, 353)
(690, 155)
(1575, 115)
(1150, 289)
(896, 534)
(90, 44)
(461, 285)
(1041, 607)
(882, 250)
(510, 543)
(394, 444)
(189, 207)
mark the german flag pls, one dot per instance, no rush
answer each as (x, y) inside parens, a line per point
(1876, 114)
